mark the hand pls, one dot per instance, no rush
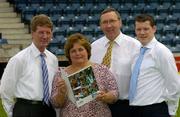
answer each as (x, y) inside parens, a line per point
(62, 89)
(106, 97)
(101, 96)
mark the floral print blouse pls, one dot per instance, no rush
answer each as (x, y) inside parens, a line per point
(105, 81)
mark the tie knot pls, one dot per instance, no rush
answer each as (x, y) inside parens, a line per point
(143, 50)
(42, 55)
(111, 42)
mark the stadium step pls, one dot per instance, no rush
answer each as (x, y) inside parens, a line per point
(4, 4)
(8, 9)
(14, 31)
(10, 20)
(12, 25)
(16, 36)
(8, 14)
(9, 50)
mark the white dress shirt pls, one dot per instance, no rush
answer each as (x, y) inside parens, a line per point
(123, 51)
(22, 77)
(158, 79)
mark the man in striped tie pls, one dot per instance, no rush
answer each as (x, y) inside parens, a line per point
(26, 82)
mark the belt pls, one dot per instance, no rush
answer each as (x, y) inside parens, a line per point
(25, 101)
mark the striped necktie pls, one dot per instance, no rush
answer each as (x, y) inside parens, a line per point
(45, 79)
(135, 73)
(107, 57)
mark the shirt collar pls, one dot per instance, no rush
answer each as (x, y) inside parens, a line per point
(117, 39)
(151, 43)
(36, 52)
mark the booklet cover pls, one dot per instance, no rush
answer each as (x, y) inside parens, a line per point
(82, 86)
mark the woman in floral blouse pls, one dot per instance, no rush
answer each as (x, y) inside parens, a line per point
(78, 52)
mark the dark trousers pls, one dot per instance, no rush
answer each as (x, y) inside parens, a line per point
(154, 110)
(27, 108)
(120, 109)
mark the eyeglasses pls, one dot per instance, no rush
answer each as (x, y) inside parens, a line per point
(106, 22)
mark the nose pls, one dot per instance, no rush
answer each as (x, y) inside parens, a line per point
(44, 35)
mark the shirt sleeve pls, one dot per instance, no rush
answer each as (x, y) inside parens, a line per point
(8, 85)
(169, 71)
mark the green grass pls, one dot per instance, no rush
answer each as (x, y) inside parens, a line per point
(2, 113)
(178, 111)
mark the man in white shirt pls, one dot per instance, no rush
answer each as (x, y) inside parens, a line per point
(123, 52)
(21, 86)
(158, 84)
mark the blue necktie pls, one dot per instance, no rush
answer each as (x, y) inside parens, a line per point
(135, 73)
(45, 79)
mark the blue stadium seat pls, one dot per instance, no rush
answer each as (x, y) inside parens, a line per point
(137, 9)
(166, 40)
(43, 10)
(175, 9)
(172, 19)
(72, 30)
(130, 20)
(84, 9)
(169, 29)
(97, 9)
(98, 32)
(177, 40)
(59, 31)
(71, 9)
(56, 10)
(150, 9)
(124, 9)
(160, 19)
(77, 20)
(159, 27)
(163, 8)
(87, 31)
(128, 29)
(65, 21)
(178, 30)
(3, 41)
(92, 20)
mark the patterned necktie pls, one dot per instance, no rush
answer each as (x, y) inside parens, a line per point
(135, 73)
(45, 79)
(107, 57)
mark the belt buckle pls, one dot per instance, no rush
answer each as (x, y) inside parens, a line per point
(34, 102)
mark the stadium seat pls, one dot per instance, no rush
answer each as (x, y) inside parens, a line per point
(65, 21)
(61, 31)
(172, 19)
(77, 20)
(166, 40)
(97, 9)
(160, 19)
(176, 40)
(43, 10)
(137, 9)
(124, 9)
(92, 20)
(98, 32)
(175, 9)
(3, 41)
(169, 29)
(84, 9)
(56, 10)
(87, 31)
(150, 9)
(72, 30)
(71, 9)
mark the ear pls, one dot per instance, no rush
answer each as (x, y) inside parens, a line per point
(154, 28)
